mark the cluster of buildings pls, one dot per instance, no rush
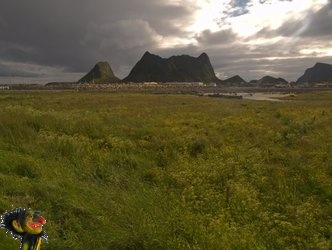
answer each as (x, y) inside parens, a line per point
(4, 87)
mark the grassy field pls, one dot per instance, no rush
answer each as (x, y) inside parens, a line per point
(141, 171)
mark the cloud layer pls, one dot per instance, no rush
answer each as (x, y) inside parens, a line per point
(247, 37)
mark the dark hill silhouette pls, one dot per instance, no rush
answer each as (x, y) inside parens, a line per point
(253, 82)
(234, 81)
(101, 73)
(318, 73)
(269, 80)
(184, 68)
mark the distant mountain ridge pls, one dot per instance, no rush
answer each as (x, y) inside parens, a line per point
(234, 81)
(318, 73)
(268, 81)
(183, 68)
(271, 79)
(100, 73)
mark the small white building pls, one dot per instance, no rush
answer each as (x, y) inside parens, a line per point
(150, 83)
(211, 84)
(4, 87)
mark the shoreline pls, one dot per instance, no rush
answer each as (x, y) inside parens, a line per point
(159, 88)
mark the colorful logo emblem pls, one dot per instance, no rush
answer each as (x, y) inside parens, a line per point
(26, 225)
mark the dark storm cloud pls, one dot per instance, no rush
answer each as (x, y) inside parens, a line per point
(11, 70)
(62, 36)
(75, 34)
(15, 54)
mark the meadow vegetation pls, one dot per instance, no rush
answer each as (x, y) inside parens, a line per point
(143, 171)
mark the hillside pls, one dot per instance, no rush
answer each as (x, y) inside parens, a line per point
(184, 68)
(234, 81)
(270, 81)
(100, 73)
(320, 72)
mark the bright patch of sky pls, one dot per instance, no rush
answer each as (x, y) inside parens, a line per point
(247, 17)
(206, 16)
(320, 52)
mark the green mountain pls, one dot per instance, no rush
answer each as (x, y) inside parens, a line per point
(183, 68)
(101, 73)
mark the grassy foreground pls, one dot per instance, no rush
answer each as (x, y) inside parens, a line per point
(140, 171)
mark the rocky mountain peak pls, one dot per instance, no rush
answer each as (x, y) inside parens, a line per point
(320, 72)
(100, 73)
(182, 68)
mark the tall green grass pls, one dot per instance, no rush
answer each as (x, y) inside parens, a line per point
(141, 171)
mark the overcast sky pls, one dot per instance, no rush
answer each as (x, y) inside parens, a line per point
(61, 40)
